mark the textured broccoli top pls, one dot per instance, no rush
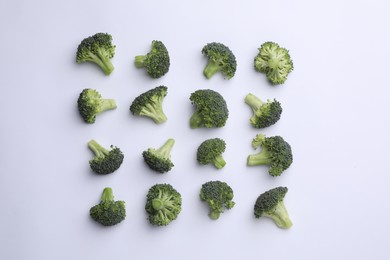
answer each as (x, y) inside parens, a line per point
(159, 160)
(105, 161)
(274, 61)
(149, 104)
(163, 204)
(156, 62)
(218, 195)
(210, 152)
(108, 212)
(264, 113)
(210, 109)
(99, 49)
(220, 58)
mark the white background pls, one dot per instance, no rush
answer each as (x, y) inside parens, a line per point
(335, 118)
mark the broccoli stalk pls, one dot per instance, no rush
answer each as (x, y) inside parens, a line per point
(139, 61)
(211, 68)
(159, 159)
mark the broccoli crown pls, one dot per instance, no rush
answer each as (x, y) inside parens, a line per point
(275, 152)
(105, 161)
(210, 151)
(163, 204)
(99, 49)
(218, 195)
(108, 212)
(274, 61)
(149, 104)
(220, 58)
(210, 109)
(159, 160)
(264, 113)
(90, 103)
(270, 204)
(156, 62)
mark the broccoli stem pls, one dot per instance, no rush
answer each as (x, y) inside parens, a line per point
(139, 61)
(102, 59)
(196, 120)
(155, 112)
(254, 102)
(214, 214)
(280, 216)
(99, 150)
(211, 68)
(107, 104)
(260, 158)
(219, 162)
(107, 195)
(165, 150)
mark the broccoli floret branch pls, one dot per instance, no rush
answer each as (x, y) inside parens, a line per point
(156, 62)
(105, 161)
(159, 159)
(264, 113)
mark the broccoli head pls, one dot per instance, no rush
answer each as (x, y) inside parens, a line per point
(270, 204)
(108, 212)
(105, 161)
(275, 152)
(210, 152)
(149, 104)
(218, 195)
(163, 204)
(99, 49)
(90, 103)
(156, 62)
(274, 61)
(210, 109)
(264, 113)
(220, 58)
(159, 160)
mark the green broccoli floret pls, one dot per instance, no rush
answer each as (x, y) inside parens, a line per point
(218, 195)
(99, 49)
(159, 160)
(210, 152)
(210, 109)
(264, 113)
(270, 204)
(220, 58)
(108, 212)
(274, 61)
(149, 104)
(91, 103)
(105, 161)
(163, 204)
(275, 152)
(156, 62)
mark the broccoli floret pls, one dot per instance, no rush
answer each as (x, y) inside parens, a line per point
(91, 103)
(270, 204)
(159, 160)
(210, 152)
(274, 61)
(105, 161)
(264, 113)
(275, 152)
(156, 62)
(210, 109)
(218, 195)
(220, 58)
(149, 104)
(163, 204)
(108, 212)
(99, 49)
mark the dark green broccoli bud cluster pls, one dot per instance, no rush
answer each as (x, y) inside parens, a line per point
(218, 195)
(210, 109)
(159, 160)
(99, 49)
(220, 58)
(90, 103)
(163, 204)
(149, 104)
(156, 62)
(264, 113)
(270, 204)
(210, 152)
(275, 152)
(108, 212)
(274, 61)
(105, 161)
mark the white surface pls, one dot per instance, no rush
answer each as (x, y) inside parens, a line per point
(335, 118)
